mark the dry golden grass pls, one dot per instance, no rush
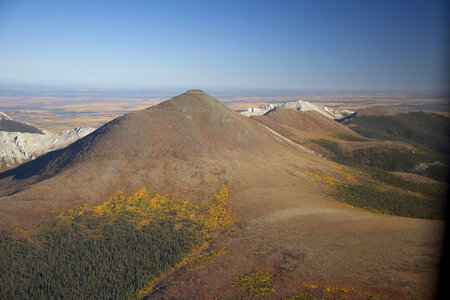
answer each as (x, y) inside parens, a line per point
(56, 114)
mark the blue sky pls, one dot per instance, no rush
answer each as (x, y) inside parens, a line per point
(399, 45)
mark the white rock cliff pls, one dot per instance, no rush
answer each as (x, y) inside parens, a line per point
(17, 147)
(298, 105)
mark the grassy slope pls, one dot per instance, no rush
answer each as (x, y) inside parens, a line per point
(416, 128)
(389, 158)
(427, 132)
(380, 190)
(375, 158)
(384, 192)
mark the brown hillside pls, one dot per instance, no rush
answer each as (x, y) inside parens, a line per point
(191, 142)
(304, 126)
(286, 221)
(300, 126)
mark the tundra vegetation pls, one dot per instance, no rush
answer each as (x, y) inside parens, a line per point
(107, 250)
(380, 191)
(311, 291)
(255, 284)
(426, 203)
(427, 132)
(258, 284)
(420, 129)
(387, 159)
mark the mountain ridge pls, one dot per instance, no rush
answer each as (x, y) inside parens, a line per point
(9, 125)
(300, 105)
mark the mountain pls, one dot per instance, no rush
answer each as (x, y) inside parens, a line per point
(10, 125)
(191, 142)
(20, 142)
(286, 224)
(298, 105)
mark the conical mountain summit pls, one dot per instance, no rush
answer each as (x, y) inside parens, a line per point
(190, 142)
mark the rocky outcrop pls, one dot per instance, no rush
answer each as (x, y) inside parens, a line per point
(298, 105)
(17, 147)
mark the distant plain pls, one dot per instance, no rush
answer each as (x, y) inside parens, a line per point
(59, 109)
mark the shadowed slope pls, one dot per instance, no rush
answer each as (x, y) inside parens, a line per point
(416, 128)
(8, 124)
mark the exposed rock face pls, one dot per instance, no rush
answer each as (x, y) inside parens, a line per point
(298, 105)
(18, 146)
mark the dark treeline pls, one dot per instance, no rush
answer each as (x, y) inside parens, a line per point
(103, 251)
(430, 130)
(72, 263)
(393, 160)
(111, 250)
(384, 192)
(391, 201)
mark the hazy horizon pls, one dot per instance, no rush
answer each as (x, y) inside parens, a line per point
(7, 85)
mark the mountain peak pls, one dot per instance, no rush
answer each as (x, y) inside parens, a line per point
(195, 91)
(191, 100)
(196, 95)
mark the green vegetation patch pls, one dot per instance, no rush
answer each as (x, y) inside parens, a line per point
(387, 193)
(256, 283)
(392, 202)
(109, 250)
(436, 171)
(416, 128)
(389, 159)
(427, 132)
(351, 138)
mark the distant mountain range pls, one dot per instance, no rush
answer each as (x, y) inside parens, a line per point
(300, 105)
(20, 141)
